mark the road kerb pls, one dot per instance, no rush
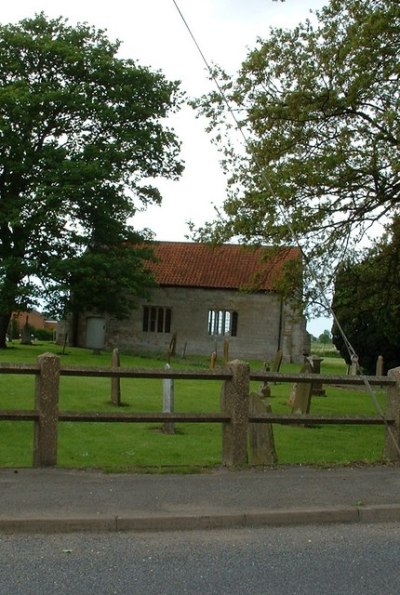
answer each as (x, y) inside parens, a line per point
(187, 522)
(58, 525)
(380, 513)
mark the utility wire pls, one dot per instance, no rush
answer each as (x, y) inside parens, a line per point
(327, 305)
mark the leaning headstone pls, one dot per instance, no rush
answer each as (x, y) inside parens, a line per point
(261, 437)
(301, 398)
(265, 389)
(301, 393)
(172, 345)
(317, 388)
(168, 402)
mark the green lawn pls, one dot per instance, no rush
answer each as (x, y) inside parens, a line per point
(124, 446)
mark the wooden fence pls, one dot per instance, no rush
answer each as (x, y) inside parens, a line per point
(234, 413)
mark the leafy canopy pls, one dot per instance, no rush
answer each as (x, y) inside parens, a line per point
(367, 303)
(82, 135)
(319, 109)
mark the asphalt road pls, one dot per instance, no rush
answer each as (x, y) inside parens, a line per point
(336, 559)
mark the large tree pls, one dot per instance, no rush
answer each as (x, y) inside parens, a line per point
(80, 132)
(319, 110)
(367, 303)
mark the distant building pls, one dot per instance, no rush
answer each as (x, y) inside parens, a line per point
(206, 295)
(33, 318)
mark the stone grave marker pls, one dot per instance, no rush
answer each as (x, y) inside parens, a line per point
(300, 396)
(261, 437)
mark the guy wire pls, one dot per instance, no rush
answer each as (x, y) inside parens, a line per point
(327, 305)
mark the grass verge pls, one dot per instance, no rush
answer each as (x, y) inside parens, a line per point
(121, 447)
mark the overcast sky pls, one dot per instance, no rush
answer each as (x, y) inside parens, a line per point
(153, 33)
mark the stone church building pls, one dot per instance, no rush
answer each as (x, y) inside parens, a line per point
(204, 296)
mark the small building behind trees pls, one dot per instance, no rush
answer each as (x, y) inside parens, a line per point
(33, 321)
(204, 296)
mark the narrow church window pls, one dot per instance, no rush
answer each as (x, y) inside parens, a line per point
(156, 319)
(222, 322)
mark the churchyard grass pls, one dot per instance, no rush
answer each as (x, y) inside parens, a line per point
(120, 447)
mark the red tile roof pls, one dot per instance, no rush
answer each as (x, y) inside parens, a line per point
(228, 266)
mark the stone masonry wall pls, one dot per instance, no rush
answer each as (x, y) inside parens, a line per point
(259, 322)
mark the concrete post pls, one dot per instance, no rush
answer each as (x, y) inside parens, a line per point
(168, 401)
(46, 403)
(115, 381)
(235, 403)
(392, 436)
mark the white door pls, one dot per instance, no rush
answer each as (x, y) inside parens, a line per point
(95, 332)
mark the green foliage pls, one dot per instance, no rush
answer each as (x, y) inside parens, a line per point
(367, 303)
(325, 337)
(319, 107)
(107, 279)
(81, 133)
(43, 334)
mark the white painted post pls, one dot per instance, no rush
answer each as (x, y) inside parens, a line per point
(168, 401)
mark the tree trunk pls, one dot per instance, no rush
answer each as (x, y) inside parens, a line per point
(73, 327)
(4, 322)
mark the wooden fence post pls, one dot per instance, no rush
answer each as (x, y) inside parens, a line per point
(46, 403)
(235, 403)
(392, 436)
(115, 380)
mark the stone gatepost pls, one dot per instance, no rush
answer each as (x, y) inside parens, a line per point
(115, 380)
(235, 403)
(392, 437)
(46, 402)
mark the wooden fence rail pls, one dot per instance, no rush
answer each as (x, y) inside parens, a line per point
(234, 415)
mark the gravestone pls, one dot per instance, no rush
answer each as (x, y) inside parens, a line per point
(26, 338)
(354, 368)
(213, 360)
(379, 366)
(300, 396)
(261, 436)
(317, 388)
